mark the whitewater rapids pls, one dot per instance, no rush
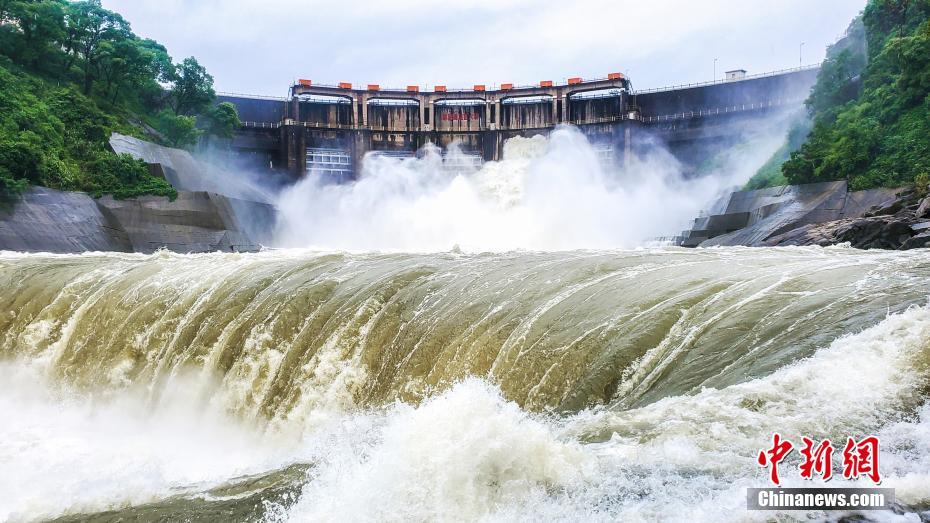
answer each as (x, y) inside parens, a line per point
(294, 385)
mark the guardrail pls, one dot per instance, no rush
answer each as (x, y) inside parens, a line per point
(720, 110)
(525, 87)
(492, 87)
(260, 125)
(253, 96)
(725, 81)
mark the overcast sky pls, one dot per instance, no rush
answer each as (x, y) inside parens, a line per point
(261, 47)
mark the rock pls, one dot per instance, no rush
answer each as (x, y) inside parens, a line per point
(818, 214)
(874, 233)
(886, 210)
(879, 232)
(924, 209)
(917, 242)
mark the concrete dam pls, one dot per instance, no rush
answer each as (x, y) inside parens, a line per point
(327, 129)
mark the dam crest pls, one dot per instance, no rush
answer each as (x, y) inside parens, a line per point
(326, 130)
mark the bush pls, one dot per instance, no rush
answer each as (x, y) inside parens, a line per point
(57, 137)
(179, 131)
(72, 73)
(922, 184)
(122, 176)
(10, 187)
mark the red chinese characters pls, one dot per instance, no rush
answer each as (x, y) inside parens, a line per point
(773, 456)
(457, 116)
(819, 460)
(861, 459)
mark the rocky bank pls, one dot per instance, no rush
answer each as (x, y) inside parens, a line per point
(817, 214)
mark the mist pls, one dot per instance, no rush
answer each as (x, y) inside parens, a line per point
(544, 194)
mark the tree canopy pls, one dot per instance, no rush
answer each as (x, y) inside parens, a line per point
(71, 73)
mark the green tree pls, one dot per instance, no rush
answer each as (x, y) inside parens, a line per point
(72, 73)
(88, 29)
(223, 121)
(179, 130)
(30, 30)
(192, 88)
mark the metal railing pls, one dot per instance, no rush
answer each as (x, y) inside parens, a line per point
(253, 96)
(490, 87)
(725, 81)
(260, 125)
(527, 87)
(720, 110)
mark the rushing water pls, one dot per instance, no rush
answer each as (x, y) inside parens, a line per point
(583, 385)
(546, 193)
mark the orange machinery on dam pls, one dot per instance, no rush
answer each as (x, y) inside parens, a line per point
(329, 128)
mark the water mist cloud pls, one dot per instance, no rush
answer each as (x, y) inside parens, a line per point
(545, 194)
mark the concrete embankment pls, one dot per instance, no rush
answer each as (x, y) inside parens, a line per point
(817, 214)
(212, 212)
(46, 220)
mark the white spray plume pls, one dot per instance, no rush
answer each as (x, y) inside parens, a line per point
(545, 194)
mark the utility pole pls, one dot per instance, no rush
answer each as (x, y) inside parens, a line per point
(801, 55)
(715, 69)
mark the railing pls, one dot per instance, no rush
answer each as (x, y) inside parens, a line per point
(527, 87)
(254, 96)
(720, 110)
(602, 119)
(260, 125)
(725, 81)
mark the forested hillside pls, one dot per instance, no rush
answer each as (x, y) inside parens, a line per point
(71, 73)
(870, 107)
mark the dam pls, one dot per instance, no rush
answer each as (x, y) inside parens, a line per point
(327, 129)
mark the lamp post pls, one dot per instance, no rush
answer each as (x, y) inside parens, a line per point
(801, 55)
(715, 69)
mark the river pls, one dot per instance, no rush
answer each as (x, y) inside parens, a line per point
(298, 385)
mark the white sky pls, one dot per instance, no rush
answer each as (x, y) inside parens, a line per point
(260, 47)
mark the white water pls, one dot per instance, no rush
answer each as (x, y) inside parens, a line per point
(135, 379)
(545, 194)
(468, 454)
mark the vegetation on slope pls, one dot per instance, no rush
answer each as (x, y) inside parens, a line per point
(71, 73)
(870, 107)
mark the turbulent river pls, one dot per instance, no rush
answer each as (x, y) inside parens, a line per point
(580, 385)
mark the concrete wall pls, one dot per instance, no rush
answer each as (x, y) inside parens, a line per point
(253, 109)
(794, 86)
(46, 220)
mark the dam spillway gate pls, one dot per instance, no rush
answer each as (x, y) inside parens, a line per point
(326, 130)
